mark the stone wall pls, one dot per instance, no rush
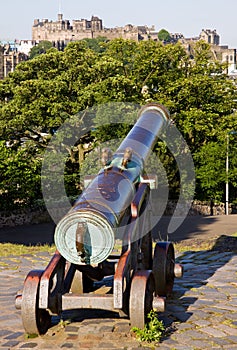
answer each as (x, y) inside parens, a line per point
(201, 208)
(23, 217)
(37, 216)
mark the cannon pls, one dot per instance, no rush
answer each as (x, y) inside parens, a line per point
(85, 272)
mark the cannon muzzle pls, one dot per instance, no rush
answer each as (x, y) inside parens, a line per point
(87, 233)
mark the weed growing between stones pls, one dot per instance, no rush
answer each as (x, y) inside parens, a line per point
(153, 330)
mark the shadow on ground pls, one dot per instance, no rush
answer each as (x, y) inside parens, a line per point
(28, 235)
(192, 227)
(195, 277)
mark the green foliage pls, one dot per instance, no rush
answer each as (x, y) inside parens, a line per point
(39, 96)
(114, 120)
(20, 176)
(211, 169)
(153, 330)
(164, 35)
(39, 49)
(96, 44)
(210, 173)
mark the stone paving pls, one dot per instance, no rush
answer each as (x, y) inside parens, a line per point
(202, 313)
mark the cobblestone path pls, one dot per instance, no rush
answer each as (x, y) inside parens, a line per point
(202, 313)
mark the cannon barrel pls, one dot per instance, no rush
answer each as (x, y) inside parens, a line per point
(86, 234)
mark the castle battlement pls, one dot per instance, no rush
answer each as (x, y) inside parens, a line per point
(64, 31)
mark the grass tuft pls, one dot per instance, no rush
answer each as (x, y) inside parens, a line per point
(9, 249)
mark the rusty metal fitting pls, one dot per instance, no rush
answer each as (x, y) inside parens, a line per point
(159, 304)
(18, 300)
(178, 270)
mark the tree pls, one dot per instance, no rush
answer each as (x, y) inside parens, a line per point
(20, 176)
(43, 47)
(164, 35)
(37, 100)
(203, 99)
(42, 93)
(96, 44)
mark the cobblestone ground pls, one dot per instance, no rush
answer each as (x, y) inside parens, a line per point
(202, 313)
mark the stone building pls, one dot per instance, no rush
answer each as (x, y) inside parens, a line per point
(24, 46)
(210, 36)
(62, 31)
(221, 53)
(229, 56)
(225, 55)
(1, 62)
(10, 57)
(11, 60)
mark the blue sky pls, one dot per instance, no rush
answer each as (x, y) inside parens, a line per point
(188, 17)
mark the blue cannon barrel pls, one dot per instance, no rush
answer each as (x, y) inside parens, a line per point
(86, 234)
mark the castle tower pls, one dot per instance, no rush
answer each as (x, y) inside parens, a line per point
(210, 36)
(60, 17)
(96, 24)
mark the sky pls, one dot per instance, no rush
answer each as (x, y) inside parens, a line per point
(188, 17)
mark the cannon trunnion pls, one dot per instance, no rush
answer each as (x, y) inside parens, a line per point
(84, 272)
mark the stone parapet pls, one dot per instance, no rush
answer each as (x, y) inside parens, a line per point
(41, 215)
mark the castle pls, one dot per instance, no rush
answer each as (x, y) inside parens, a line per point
(62, 31)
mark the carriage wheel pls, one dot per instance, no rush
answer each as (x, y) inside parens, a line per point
(35, 320)
(141, 297)
(163, 268)
(146, 248)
